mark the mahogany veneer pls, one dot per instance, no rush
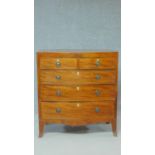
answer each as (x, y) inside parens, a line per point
(77, 88)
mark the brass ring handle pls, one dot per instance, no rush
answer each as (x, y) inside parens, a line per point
(98, 63)
(58, 110)
(58, 93)
(58, 64)
(98, 92)
(98, 77)
(58, 77)
(97, 109)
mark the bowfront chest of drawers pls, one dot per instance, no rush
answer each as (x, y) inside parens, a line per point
(77, 88)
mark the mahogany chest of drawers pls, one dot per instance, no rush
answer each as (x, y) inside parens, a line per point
(77, 88)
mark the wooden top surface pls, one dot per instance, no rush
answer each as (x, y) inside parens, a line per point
(78, 53)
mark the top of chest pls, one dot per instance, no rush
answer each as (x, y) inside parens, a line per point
(77, 60)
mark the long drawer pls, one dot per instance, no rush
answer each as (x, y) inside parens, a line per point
(77, 77)
(77, 93)
(76, 110)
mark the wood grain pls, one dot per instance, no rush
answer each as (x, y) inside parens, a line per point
(77, 110)
(77, 54)
(65, 63)
(69, 92)
(91, 63)
(77, 93)
(65, 77)
(79, 122)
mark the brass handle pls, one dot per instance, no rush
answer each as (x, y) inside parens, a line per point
(58, 93)
(58, 64)
(58, 110)
(98, 92)
(58, 77)
(98, 63)
(98, 77)
(97, 109)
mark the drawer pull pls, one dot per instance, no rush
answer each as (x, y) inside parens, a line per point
(58, 110)
(98, 92)
(58, 93)
(98, 63)
(58, 77)
(97, 109)
(58, 64)
(98, 77)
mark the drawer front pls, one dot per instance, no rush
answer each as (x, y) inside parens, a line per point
(77, 93)
(77, 77)
(97, 63)
(76, 110)
(58, 63)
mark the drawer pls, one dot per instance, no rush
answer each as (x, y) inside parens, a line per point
(58, 63)
(78, 93)
(62, 77)
(97, 63)
(76, 110)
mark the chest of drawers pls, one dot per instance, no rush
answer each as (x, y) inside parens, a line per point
(77, 88)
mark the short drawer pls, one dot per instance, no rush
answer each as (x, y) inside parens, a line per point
(97, 63)
(68, 77)
(58, 63)
(77, 93)
(76, 110)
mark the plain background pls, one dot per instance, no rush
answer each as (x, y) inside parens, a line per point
(76, 24)
(80, 25)
(17, 65)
